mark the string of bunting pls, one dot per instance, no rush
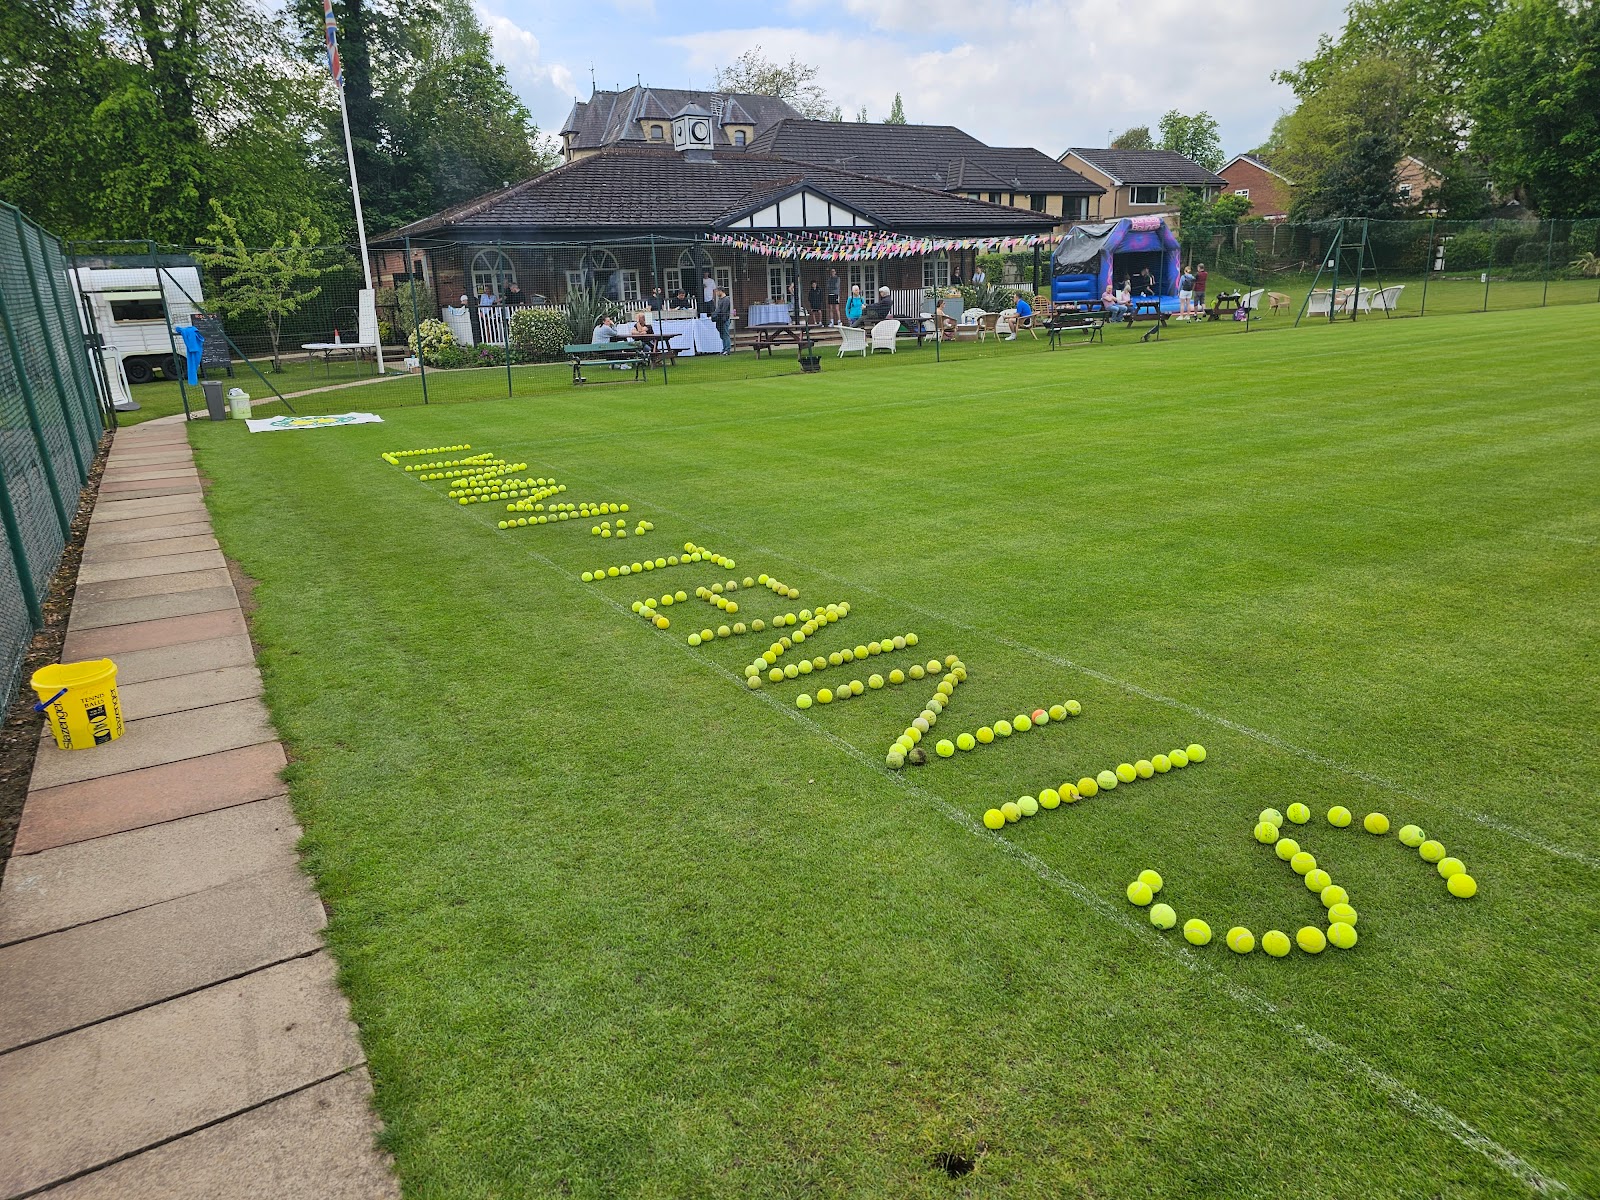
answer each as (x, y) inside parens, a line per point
(857, 246)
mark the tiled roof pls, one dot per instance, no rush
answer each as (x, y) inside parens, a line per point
(1255, 160)
(643, 190)
(1148, 166)
(922, 155)
(609, 118)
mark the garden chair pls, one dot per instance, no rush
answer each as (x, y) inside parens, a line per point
(884, 335)
(1279, 300)
(1320, 303)
(851, 340)
(1252, 300)
(1387, 299)
(986, 325)
(969, 325)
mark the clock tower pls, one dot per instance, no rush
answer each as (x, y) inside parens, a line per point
(692, 131)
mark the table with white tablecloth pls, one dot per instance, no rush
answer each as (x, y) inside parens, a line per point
(692, 335)
(768, 314)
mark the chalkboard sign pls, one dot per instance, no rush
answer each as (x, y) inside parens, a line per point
(215, 352)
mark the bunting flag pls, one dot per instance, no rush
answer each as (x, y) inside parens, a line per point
(858, 246)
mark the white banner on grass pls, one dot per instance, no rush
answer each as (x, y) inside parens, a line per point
(270, 424)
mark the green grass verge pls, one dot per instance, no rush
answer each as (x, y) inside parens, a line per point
(613, 925)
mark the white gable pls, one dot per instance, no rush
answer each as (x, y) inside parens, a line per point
(804, 209)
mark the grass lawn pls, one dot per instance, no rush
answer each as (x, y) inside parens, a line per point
(613, 924)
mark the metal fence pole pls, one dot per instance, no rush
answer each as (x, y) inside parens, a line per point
(505, 330)
(1549, 251)
(96, 343)
(183, 391)
(1361, 261)
(19, 553)
(1488, 274)
(416, 322)
(55, 367)
(33, 422)
(94, 419)
(1427, 264)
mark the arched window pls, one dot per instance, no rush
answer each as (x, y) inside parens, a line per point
(657, 133)
(738, 137)
(690, 273)
(492, 271)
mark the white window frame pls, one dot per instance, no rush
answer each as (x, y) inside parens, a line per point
(630, 287)
(779, 277)
(739, 138)
(1135, 189)
(936, 271)
(1405, 191)
(497, 271)
(672, 280)
(864, 275)
(724, 278)
(1245, 192)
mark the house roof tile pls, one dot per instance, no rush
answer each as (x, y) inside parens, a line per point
(1148, 166)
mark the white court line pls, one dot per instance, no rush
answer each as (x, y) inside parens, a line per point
(1347, 1059)
(1287, 747)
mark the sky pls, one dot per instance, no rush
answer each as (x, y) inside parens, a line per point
(1044, 73)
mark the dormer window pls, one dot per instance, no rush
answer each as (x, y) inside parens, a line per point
(658, 133)
(738, 137)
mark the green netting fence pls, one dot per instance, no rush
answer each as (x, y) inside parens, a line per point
(53, 409)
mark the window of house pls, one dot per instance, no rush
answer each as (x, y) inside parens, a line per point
(863, 275)
(994, 197)
(1245, 192)
(738, 137)
(657, 133)
(778, 280)
(1036, 201)
(936, 271)
(491, 272)
(671, 280)
(1405, 191)
(1148, 194)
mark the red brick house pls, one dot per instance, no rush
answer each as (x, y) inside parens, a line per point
(1269, 192)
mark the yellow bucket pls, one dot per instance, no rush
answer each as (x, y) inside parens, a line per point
(80, 701)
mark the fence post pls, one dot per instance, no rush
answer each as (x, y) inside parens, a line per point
(416, 321)
(183, 391)
(505, 325)
(19, 553)
(55, 367)
(75, 346)
(1549, 251)
(45, 462)
(1427, 264)
(108, 413)
(1488, 274)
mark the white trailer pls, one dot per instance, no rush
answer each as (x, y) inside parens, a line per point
(127, 308)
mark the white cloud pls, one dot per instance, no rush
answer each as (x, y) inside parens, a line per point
(543, 86)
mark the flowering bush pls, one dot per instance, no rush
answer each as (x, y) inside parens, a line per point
(437, 344)
(537, 334)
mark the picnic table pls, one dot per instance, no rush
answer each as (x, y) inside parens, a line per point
(658, 346)
(622, 353)
(1231, 299)
(1148, 308)
(1091, 323)
(330, 350)
(769, 337)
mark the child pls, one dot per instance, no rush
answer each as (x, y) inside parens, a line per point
(1186, 294)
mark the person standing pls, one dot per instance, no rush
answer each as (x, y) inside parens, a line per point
(658, 302)
(708, 291)
(979, 278)
(833, 296)
(1185, 293)
(855, 307)
(722, 317)
(513, 293)
(1200, 287)
(814, 300)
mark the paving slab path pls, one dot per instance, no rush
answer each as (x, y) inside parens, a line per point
(170, 1024)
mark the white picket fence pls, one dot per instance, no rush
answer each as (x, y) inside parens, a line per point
(491, 322)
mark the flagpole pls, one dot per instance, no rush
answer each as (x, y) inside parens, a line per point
(336, 69)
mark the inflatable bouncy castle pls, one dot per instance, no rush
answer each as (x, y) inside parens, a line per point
(1090, 257)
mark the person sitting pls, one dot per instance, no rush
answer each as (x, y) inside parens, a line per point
(1024, 317)
(640, 325)
(486, 298)
(945, 324)
(607, 332)
(883, 307)
(1121, 302)
(855, 306)
(1147, 283)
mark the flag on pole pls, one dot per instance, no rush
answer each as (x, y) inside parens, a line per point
(332, 28)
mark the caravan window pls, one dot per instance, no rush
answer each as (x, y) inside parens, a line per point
(140, 307)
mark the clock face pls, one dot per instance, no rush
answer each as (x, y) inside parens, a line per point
(700, 131)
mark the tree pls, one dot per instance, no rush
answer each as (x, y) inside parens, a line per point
(1194, 137)
(1339, 132)
(861, 117)
(795, 82)
(1360, 182)
(270, 283)
(897, 112)
(1535, 103)
(1135, 137)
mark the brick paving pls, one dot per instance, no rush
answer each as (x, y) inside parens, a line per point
(171, 1026)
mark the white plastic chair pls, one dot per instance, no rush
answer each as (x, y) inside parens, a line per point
(884, 335)
(1252, 300)
(1387, 299)
(851, 340)
(1320, 303)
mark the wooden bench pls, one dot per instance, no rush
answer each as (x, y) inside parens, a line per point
(609, 354)
(1087, 322)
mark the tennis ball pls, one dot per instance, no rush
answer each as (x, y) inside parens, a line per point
(985, 735)
(1028, 805)
(1162, 916)
(1450, 866)
(915, 671)
(1275, 942)
(857, 687)
(920, 723)
(945, 748)
(706, 635)
(1161, 763)
(1317, 879)
(802, 701)
(1303, 862)
(911, 639)
(588, 576)
(1049, 798)
(1069, 793)
(1002, 728)
(1342, 935)
(1376, 823)
(680, 596)
(1126, 773)
(896, 758)
(946, 688)
(1196, 932)
(694, 640)
(1311, 939)
(824, 696)
(1107, 780)
(1333, 894)
(662, 623)
(1040, 716)
(776, 674)
(1272, 816)
(1431, 851)
(724, 631)
(1412, 835)
(1178, 758)
(875, 681)
(1139, 893)
(1010, 811)
(1266, 833)
(1196, 752)
(1342, 914)
(1339, 816)
(994, 819)
(897, 676)
(1058, 712)
(912, 734)
(613, 572)
(1088, 788)
(1241, 940)
(1287, 848)
(1462, 886)
(1144, 768)
(1298, 813)
(965, 741)
(792, 671)
(1073, 708)
(1151, 879)
(1022, 722)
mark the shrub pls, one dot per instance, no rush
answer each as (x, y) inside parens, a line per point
(585, 310)
(437, 344)
(537, 334)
